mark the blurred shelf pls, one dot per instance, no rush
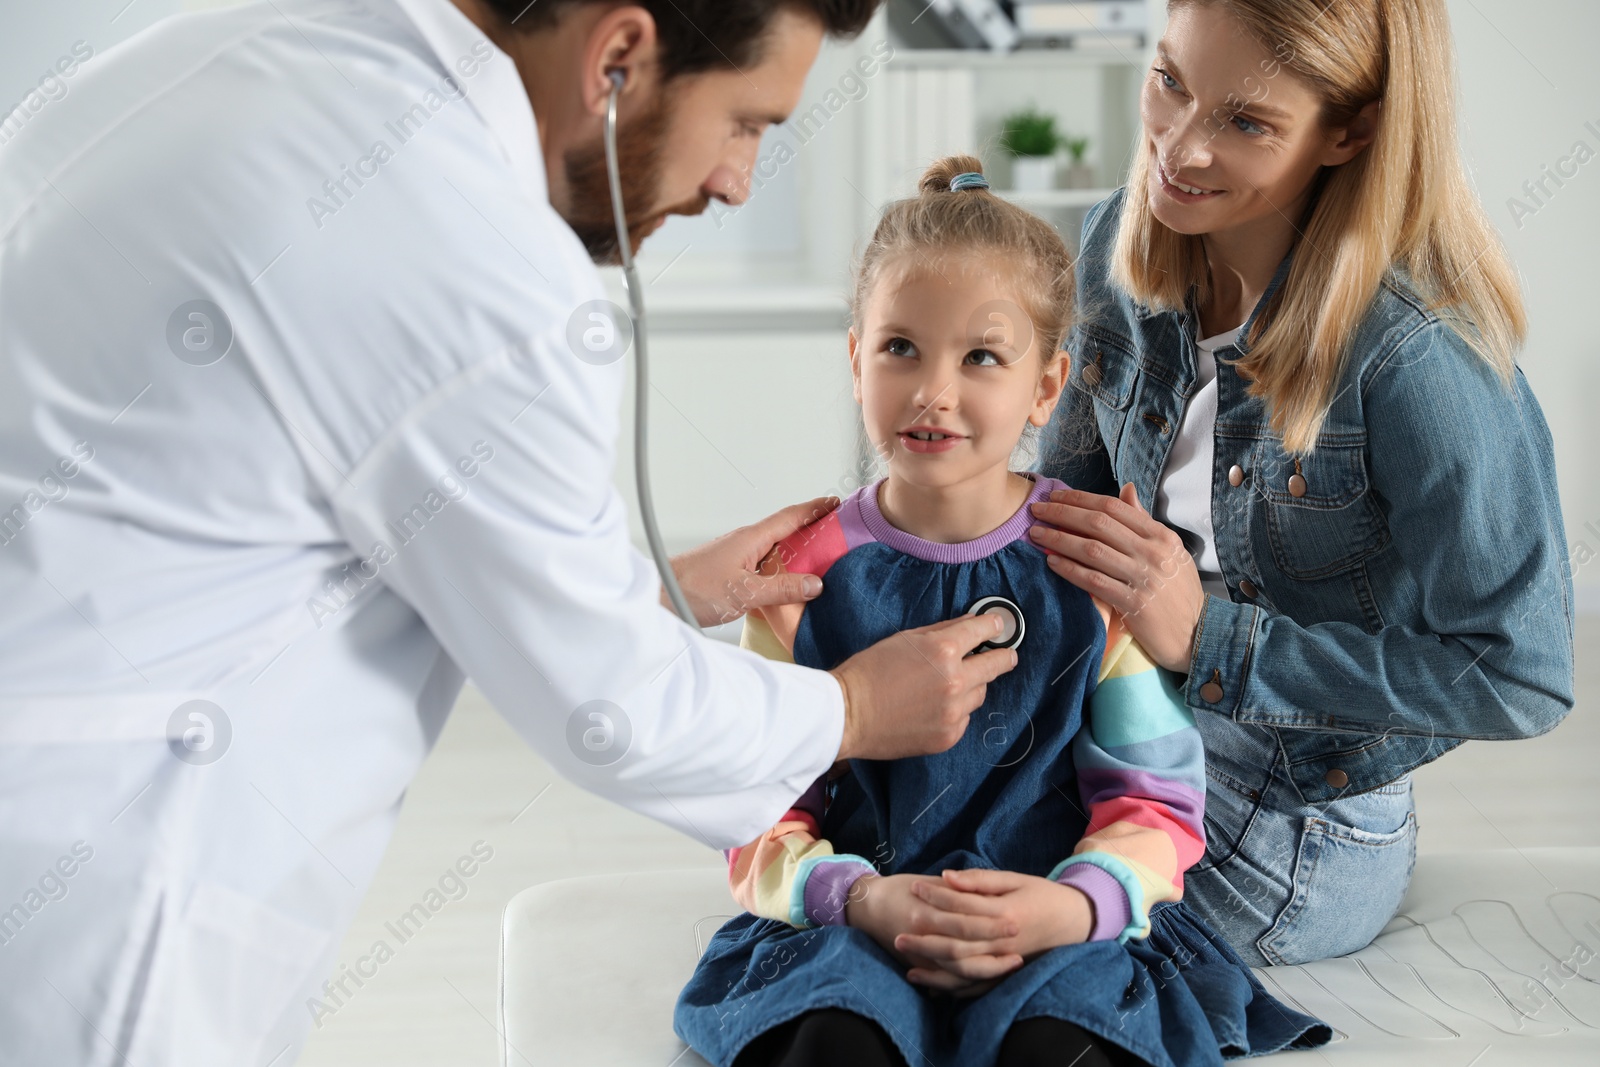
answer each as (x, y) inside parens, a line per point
(1025, 58)
(713, 304)
(1055, 197)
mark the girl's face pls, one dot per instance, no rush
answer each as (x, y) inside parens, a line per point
(947, 369)
(1237, 137)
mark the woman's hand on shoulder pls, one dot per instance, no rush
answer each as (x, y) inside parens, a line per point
(1112, 549)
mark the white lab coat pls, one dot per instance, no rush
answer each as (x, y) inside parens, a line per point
(398, 474)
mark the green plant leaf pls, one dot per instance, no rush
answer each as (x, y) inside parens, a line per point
(1029, 132)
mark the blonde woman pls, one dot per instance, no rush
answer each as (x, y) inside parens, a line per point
(1338, 514)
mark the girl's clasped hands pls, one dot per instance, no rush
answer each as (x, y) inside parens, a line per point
(964, 931)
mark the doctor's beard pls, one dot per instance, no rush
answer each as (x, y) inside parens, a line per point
(640, 148)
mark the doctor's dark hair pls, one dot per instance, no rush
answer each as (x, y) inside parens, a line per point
(702, 35)
(941, 224)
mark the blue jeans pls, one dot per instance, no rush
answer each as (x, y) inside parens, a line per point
(1286, 882)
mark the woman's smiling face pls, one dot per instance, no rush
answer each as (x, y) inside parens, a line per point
(947, 369)
(1237, 136)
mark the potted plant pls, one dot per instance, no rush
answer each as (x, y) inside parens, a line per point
(1080, 175)
(1029, 137)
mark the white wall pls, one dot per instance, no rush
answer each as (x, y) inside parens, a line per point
(1527, 94)
(35, 33)
(741, 424)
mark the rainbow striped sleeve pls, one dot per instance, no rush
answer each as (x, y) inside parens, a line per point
(1142, 778)
(790, 873)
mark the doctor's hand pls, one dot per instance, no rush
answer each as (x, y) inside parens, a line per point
(1110, 547)
(720, 579)
(912, 693)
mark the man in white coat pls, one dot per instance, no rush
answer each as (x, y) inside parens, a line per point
(298, 428)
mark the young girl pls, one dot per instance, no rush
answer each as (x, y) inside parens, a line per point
(1016, 898)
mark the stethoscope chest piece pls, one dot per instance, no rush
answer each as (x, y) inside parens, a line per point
(1010, 614)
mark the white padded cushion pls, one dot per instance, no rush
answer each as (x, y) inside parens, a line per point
(591, 967)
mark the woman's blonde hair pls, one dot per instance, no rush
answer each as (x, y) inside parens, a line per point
(965, 221)
(1404, 200)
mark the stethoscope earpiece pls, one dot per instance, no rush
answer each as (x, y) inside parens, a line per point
(1010, 614)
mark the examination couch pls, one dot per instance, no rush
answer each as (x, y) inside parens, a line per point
(1493, 959)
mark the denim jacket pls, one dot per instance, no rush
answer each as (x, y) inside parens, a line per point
(1408, 591)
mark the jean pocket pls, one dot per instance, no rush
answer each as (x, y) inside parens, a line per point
(1231, 809)
(1348, 883)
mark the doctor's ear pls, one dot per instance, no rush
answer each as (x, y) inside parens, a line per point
(621, 44)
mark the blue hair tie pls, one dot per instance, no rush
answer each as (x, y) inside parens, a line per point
(970, 180)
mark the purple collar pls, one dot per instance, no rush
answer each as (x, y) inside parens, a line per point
(1013, 529)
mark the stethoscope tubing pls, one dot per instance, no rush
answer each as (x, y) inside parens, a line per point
(641, 365)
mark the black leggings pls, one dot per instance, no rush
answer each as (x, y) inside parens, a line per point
(834, 1036)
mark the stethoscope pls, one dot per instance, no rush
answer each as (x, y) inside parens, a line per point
(1010, 614)
(1014, 627)
(641, 422)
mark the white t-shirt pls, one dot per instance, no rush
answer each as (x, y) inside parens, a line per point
(1183, 494)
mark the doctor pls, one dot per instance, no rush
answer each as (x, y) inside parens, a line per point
(298, 429)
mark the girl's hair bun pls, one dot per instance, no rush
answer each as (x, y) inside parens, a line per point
(936, 179)
(971, 223)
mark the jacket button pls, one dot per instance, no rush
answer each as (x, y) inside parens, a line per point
(1211, 692)
(1248, 588)
(1337, 778)
(1236, 476)
(1297, 485)
(1093, 373)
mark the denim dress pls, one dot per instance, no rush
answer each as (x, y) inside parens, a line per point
(1005, 797)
